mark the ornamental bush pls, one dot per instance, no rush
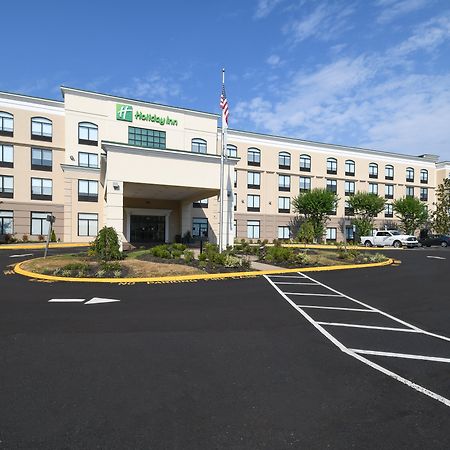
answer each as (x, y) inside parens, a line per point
(106, 245)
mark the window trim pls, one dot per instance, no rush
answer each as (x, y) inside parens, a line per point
(42, 167)
(4, 194)
(200, 142)
(41, 196)
(88, 220)
(88, 165)
(87, 141)
(40, 219)
(41, 137)
(305, 157)
(256, 224)
(253, 186)
(253, 208)
(407, 177)
(373, 175)
(6, 217)
(284, 188)
(284, 155)
(83, 197)
(332, 162)
(424, 180)
(351, 163)
(234, 148)
(255, 151)
(8, 164)
(284, 210)
(7, 115)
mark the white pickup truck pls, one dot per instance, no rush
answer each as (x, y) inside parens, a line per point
(389, 238)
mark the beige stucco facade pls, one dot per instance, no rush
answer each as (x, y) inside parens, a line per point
(145, 168)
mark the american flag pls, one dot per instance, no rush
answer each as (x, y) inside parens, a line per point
(224, 105)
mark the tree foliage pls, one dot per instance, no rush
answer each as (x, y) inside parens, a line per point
(366, 207)
(306, 232)
(106, 245)
(441, 215)
(315, 206)
(411, 212)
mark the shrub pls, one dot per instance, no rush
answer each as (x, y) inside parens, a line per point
(76, 266)
(188, 256)
(25, 238)
(111, 266)
(231, 261)
(100, 273)
(279, 254)
(53, 236)
(376, 258)
(303, 258)
(40, 238)
(106, 245)
(117, 273)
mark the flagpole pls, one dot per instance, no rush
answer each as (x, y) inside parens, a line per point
(222, 156)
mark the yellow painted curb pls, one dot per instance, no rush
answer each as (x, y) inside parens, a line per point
(180, 278)
(39, 246)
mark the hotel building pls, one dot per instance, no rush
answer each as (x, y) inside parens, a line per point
(153, 172)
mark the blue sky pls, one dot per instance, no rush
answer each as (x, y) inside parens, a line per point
(369, 73)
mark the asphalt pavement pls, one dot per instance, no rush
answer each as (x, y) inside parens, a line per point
(226, 364)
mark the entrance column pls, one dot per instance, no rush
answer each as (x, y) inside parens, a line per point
(186, 217)
(114, 208)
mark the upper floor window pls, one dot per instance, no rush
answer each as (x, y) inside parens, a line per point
(144, 137)
(87, 133)
(349, 167)
(6, 156)
(284, 160)
(373, 170)
(6, 124)
(305, 163)
(201, 203)
(41, 189)
(388, 210)
(332, 186)
(373, 188)
(254, 156)
(284, 204)
(198, 145)
(424, 176)
(41, 129)
(87, 190)
(349, 188)
(389, 191)
(332, 166)
(232, 151)
(424, 194)
(6, 186)
(389, 172)
(410, 175)
(409, 192)
(88, 160)
(253, 180)
(253, 203)
(41, 159)
(305, 184)
(284, 182)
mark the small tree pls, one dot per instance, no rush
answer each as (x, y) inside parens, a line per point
(411, 212)
(306, 233)
(316, 206)
(106, 245)
(53, 236)
(441, 215)
(366, 207)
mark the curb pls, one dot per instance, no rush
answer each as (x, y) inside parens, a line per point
(186, 278)
(39, 246)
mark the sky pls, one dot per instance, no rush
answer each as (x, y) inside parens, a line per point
(365, 73)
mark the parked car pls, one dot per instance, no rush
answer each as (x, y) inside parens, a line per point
(389, 238)
(435, 239)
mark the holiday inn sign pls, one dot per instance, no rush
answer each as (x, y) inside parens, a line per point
(125, 113)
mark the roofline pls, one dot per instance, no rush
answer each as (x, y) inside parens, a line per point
(331, 146)
(142, 102)
(32, 98)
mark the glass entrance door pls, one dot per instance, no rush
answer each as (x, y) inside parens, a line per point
(147, 228)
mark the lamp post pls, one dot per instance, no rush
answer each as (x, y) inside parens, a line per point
(51, 219)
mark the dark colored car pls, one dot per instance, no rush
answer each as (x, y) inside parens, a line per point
(435, 239)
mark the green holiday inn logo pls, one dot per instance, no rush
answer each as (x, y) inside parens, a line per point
(124, 112)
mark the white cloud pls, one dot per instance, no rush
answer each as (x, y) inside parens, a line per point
(273, 60)
(265, 7)
(392, 9)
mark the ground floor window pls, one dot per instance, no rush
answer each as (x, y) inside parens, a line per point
(199, 227)
(283, 232)
(253, 227)
(349, 233)
(39, 223)
(6, 222)
(331, 234)
(87, 224)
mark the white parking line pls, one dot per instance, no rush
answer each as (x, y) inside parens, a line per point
(400, 355)
(337, 308)
(300, 284)
(370, 327)
(21, 256)
(314, 295)
(286, 276)
(67, 300)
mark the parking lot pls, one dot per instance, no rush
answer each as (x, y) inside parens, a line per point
(356, 358)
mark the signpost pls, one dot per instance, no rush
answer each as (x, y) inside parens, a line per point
(51, 219)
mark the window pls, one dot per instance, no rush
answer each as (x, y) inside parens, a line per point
(146, 138)
(349, 168)
(6, 155)
(6, 222)
(235, 228)
(349, 211)
(41, 129)
(333, 211)
(88, 160)
(388, 210)
(6, 124)
(235, 201)
(424, 176)
(373, 188)
(389, 172)
(253, 157)
(332, 166)
(305, 184)
(235, 178)
(41, 189)
(284, 160)
(283, 232)
(410, 175)
(253, 180)
(332, 186)
(331, 234)
(199, 227)
(373, 170)
(87, 133)
(284, 204)
(231, 151)
(39, 223)
(198, 145)
(87, 224)
(253, 229)
(201, 203)
(41, 159)
(424, 194)
(349, 188)
(6, 186)
(284, 182)
(305, 163)
(389, 191)
(349, 233)
(409, 191)
(87, 191)
(253, 203)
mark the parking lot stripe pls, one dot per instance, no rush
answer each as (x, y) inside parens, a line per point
(291, 282)
(370, 327)
(400, 355)
(67, 300)
(314, 295)
(286, 276)
(338, 308)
